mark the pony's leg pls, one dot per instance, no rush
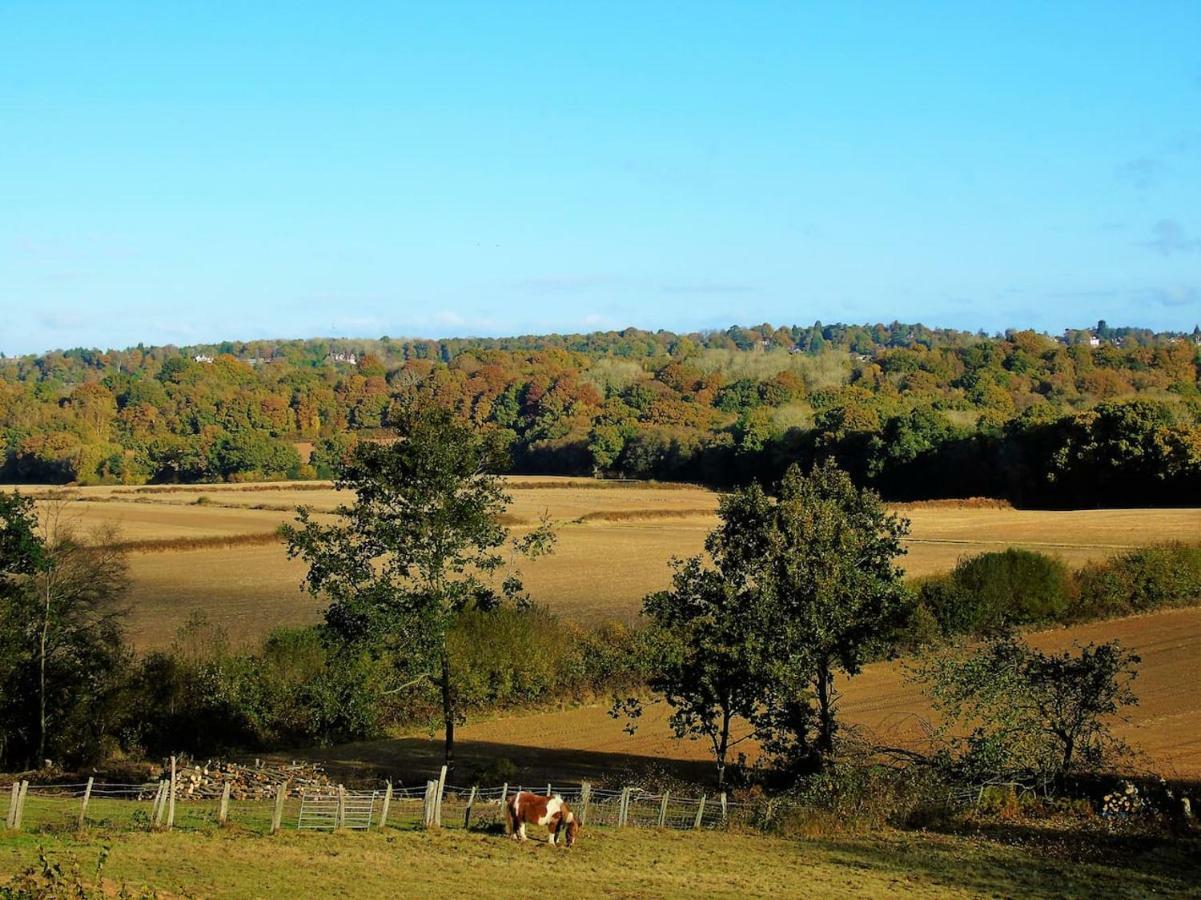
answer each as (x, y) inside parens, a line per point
(550, 838)
(521, 832)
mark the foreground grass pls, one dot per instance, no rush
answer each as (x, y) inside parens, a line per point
(606, 862)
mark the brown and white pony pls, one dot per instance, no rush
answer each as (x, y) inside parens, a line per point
(525, 808)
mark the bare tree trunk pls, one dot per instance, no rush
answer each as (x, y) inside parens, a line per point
(448, 711)
(46, 594)
(723, 748)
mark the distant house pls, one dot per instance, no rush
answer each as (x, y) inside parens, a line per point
(202, 358)
(348, 358)
(1094, 341)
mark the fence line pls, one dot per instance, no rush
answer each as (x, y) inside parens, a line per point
(162, 806)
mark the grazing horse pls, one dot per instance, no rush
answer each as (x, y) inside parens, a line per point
(525, 808)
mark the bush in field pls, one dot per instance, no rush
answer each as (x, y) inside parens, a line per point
(611, 657)
(204, 698)
(996, 590)
(856, 791)
(1031, 713)
(1138, 581)
(507, 656)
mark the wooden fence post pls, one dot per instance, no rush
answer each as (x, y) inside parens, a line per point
(585, 798)
(548, 790)
(438, 802)
(383, 813)
(160, 804)
(723, 808)
(83, 806)
(12, 806)
(663, 809)
(223, 808)
(700, 813)
(277, 815)
(171, 798)
(470, 803)
(21, 805)
(623, 809)
(504, 806)
(427, 804)
(340, 816)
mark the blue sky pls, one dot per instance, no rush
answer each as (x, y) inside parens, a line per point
(177, 172)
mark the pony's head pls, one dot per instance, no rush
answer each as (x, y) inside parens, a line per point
(569, 826)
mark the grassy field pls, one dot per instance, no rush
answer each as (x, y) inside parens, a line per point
(615, 540)
(584, 742)
(605, 862)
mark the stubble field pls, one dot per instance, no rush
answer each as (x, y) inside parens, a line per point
(211, 547)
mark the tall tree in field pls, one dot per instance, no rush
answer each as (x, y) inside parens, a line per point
(706, 667)
(823, 562)
(421, 543)
(60, 617)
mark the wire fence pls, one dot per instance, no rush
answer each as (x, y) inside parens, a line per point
(161, 805)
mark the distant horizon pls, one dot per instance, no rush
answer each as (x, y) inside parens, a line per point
(401, 338)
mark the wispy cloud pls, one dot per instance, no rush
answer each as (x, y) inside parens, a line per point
(1170, 296)
(60, 321)
(1169, 237)
(1142, 173)
(565, 284)
(1173, 296)
(709, 287)
(598, 321)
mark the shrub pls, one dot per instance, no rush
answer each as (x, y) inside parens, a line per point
(855, 791)
(1138, 581)
(507, 656)
(992, 591)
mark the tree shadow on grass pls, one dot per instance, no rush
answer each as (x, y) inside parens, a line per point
(1034, 869)
(414, 760)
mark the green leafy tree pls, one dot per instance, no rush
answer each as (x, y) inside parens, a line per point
(605, 443)
(420, 544)
(822, 558)
(706, 668)
(64, 658)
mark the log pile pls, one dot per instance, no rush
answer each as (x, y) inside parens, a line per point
(200, 781)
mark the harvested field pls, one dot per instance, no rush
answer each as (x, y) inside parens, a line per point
(615, 541)
(585, 742)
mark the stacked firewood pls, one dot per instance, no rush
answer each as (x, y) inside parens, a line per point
(259, 781)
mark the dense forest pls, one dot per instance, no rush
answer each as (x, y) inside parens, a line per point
(1100, 416)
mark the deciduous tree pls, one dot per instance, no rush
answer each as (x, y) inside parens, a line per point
(421, 543)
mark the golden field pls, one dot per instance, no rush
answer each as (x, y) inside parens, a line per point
(212, 549)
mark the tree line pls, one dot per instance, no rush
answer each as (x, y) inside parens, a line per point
(910, 411)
